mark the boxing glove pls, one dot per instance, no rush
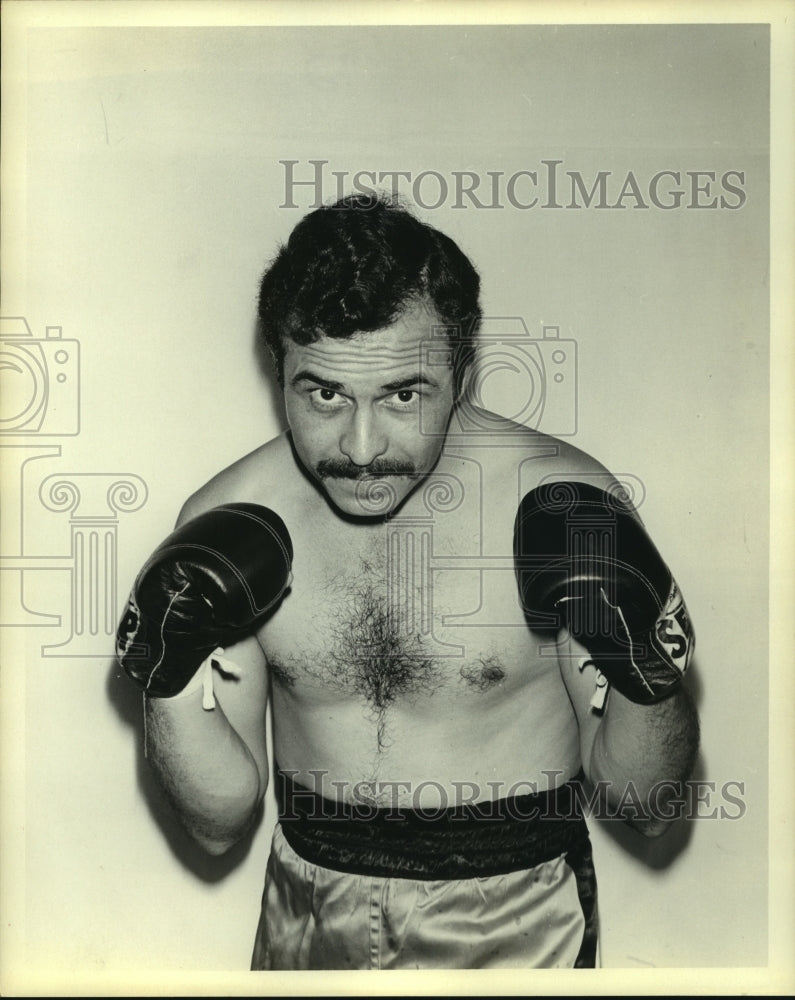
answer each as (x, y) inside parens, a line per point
(206, 586)
(584, 561)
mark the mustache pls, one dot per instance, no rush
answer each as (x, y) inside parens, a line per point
(339, 468)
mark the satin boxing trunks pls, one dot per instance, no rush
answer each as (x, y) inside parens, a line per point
(502, 884)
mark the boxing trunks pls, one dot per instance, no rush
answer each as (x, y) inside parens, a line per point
(507, 883)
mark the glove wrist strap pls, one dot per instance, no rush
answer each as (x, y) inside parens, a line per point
(202, 680)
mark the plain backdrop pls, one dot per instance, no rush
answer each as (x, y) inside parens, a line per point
(153, 198)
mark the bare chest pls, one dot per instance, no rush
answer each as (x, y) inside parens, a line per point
(404, 610)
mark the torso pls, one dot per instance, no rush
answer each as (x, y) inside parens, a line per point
(401, 664)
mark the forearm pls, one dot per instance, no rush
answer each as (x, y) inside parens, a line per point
(635, 755)
(642, 753)
(205, 768)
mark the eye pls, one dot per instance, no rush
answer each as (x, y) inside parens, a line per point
(323, 398)
(403, 398)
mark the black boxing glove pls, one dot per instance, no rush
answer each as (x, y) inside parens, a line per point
(583, 560)
(206, 586)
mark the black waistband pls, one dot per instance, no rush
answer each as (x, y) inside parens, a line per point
(475, 839)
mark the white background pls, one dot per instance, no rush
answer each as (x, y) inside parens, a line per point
(149, 207)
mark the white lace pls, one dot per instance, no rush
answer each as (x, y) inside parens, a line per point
(225, 665)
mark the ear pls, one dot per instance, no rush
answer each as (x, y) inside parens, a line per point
(463, 365)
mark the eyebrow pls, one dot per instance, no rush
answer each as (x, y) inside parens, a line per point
(305, 375)
(405, 383)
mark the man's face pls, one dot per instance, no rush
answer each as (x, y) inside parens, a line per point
(354, 405)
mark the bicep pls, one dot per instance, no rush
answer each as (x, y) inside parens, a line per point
(244, 700)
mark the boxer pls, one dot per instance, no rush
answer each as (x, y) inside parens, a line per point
(456, 621)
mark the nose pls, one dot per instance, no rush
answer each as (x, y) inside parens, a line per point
(363, 440)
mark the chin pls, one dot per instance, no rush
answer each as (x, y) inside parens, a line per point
(370, 498)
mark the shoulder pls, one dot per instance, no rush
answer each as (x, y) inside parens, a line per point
(255, 478)
(514, 457)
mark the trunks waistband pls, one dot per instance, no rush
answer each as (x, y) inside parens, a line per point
(477, 839)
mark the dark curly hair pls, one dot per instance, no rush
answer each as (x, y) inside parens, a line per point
(355, 266)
